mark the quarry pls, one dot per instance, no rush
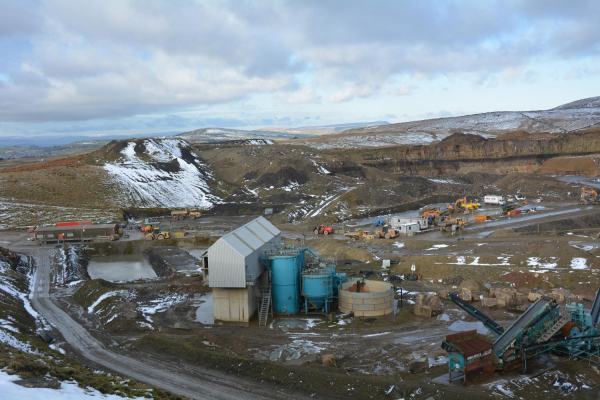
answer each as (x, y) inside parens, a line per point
(465, 265)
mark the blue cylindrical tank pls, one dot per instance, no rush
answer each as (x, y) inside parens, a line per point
(285, 282)
(317, 288)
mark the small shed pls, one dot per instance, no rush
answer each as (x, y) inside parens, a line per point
(423, 222)
(73, 233)
(408, 229)
(469, 355)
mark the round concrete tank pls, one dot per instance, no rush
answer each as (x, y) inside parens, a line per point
(285, 282)
(317, 289)
(372, 299)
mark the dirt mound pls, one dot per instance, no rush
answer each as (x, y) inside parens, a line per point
(461, 138)
(339, 248)
(587, 166)
(535, 186)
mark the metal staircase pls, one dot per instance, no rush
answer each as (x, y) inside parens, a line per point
(554, 329)
(265, 307)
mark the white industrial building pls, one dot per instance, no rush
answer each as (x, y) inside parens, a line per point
(423, 222)
(408, 229)
(235, 270)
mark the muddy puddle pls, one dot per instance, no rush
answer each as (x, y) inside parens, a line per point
(286, 324)
(120, 268)
(204, 313)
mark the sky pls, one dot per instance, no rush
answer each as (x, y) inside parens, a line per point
(127, 67)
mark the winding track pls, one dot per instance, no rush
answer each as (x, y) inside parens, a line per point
(156, 373)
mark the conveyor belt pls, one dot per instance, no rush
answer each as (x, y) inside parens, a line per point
(517, 327)
(595, 312)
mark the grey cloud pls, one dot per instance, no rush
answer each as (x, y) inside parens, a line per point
(110, 59)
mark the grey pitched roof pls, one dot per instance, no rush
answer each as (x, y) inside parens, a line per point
(250, 237)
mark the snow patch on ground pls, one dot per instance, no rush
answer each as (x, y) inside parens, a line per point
(579, 263)
(102, 298)
(69, 390)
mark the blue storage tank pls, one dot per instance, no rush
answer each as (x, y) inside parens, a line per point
(285, 283)
(317, 289)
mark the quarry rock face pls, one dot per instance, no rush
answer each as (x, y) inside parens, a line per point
(463, 153)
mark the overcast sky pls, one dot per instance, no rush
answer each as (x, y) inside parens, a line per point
(124, 67)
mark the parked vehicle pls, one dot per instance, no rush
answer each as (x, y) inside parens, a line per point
(324, 230)
(357, 235)
(495, 200)
(386, 232)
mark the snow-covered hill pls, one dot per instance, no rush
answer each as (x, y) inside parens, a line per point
(161, 173)
(208, 135)
(571, 117)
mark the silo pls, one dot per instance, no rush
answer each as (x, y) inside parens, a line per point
(285, 283)
(317, 289)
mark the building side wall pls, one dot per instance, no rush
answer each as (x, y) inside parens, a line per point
(226, 267)
(234, 304)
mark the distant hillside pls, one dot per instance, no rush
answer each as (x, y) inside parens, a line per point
(572, 117)
(207, 135)
(71, 149)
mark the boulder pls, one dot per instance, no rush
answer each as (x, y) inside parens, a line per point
(443, 293)
(429, 300)
(419, 365)
(45, 336)
(423, 311)
(328, 360)
(521, 307)
(508, 295)
(466, 294)
(535, 294)
(470, 284)
(182, 326)
(489, 302)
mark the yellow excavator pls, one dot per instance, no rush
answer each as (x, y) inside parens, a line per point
(588, 196)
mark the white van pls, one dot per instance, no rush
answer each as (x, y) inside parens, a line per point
(496, 200)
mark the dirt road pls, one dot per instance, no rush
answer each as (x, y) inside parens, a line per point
(210, 385)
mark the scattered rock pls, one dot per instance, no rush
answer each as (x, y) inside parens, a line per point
(419, 365)
(328, 360)
(443, 294)
(535, 294)
(39, 383)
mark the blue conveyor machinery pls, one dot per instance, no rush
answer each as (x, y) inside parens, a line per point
(541, 329)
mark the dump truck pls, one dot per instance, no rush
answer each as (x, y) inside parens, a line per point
(324, 230)
(191, 213)
(386, 232)
(357, 235)
(447, 224)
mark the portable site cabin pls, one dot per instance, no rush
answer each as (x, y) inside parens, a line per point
(408, 229)
(423, 223)
(73, 233)
(235, 268)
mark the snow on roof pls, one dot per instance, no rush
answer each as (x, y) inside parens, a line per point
(250, 237)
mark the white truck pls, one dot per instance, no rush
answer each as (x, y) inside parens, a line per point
(496, 200)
